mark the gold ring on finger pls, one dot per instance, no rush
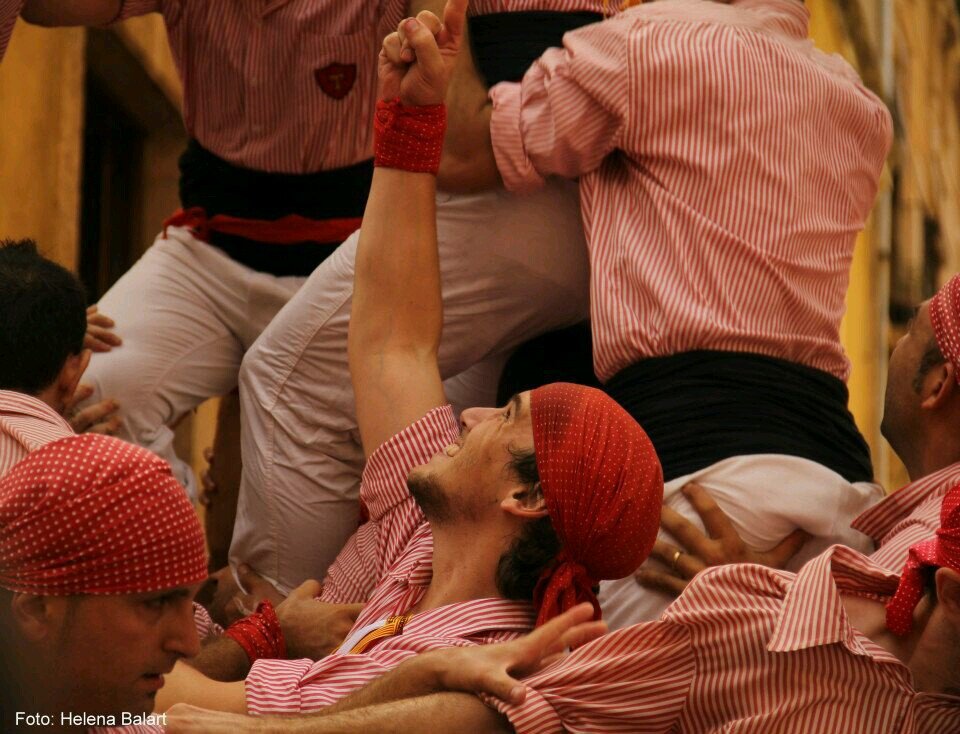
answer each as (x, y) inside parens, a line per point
(676, 557)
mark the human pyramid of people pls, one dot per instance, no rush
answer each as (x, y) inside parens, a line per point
(695, 546)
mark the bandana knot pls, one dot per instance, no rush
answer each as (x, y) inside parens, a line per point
(941, 551)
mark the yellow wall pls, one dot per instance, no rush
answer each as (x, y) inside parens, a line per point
(41, 98)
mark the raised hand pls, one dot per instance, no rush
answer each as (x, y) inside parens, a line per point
(417, 60)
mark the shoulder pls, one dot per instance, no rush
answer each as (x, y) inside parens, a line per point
(742, 587)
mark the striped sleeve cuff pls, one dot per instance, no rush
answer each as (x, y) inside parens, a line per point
(516, 169)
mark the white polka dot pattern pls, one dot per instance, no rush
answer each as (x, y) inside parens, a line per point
(945, 316)
(92, 514)
(603, 486)
(941, 551)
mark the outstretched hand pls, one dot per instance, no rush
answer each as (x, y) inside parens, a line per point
(417, 60)
(496, 669)
(720, 545)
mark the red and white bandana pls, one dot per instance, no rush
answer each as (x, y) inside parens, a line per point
(603, 487)
(941, 551)
(92, 514)
(945, 316)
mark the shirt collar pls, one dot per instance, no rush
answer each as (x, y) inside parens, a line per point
(813, 614)
(14, 403)
(788, 16)
(880, 519)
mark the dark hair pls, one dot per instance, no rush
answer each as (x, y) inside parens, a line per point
(520, 567)
(930, 359)
(43, 317)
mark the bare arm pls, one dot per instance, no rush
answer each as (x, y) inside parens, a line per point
(397, 311)
(443, 712)
(70, 12)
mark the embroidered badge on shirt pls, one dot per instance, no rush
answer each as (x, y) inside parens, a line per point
(336, 80)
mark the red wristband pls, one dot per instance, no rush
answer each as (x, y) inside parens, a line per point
(259, 634)
(409, 138)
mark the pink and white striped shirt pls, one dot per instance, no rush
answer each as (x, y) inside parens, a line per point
(285, 86)
(9, 11)
(906, 517)
(746, 649)
(726, 166)
(26, 424)
(403, 555)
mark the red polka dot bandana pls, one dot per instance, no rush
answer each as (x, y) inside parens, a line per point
(603, 487)
(943, 550)
(945, 316)
(93, 514)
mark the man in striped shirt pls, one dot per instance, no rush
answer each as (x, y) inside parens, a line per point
(278, 102)
(843, 646)
(481, 531)
(725, 167)
(922, 411)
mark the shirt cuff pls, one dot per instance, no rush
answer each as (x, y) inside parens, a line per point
(534, 716)
(516, 169)
(384, 482)
(134, 8)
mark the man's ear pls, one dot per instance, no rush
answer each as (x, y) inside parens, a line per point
(71, 373)
(939, 386)
(948, 592)
(36, 617)
(526, 502)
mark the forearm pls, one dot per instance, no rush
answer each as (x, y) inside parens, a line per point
(440, 713)
(222, 659)
(70, 12)
(396, 317)
(417, 677)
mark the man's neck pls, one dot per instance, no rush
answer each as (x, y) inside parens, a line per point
(464, 566)
(51, 396)
(929, 656)
(936, 450)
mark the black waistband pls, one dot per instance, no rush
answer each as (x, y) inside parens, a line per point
(506, 44)
(702, 407)
(220, 187)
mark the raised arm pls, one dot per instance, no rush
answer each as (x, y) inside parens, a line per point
(570, 110)
(71, 12)
(397, 313)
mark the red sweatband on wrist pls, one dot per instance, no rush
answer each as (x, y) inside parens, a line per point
(409, 138)
(259, 634)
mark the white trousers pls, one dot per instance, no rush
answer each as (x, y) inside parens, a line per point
(767, 497)
(511, 268)
(186, 313)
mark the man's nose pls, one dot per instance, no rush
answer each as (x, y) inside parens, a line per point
(472, 416)
(181, 637)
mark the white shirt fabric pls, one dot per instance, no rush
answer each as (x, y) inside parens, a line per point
(767, 497)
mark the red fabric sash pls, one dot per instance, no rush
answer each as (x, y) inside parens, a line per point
(289, 230)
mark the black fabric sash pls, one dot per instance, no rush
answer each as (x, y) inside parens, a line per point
(506, 44)
(705, 406)
(219, 187)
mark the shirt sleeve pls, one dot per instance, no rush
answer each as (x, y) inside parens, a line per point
(354, 573)
(636, 679)
(383, 488)
(569, 111)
